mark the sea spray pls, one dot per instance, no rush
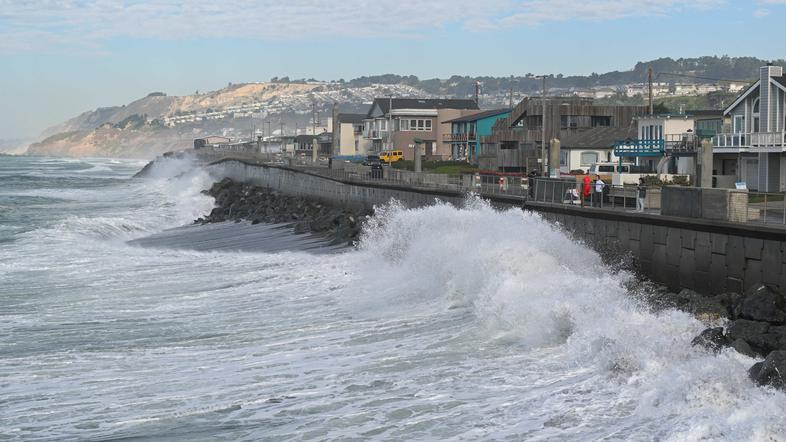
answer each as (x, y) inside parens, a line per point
(446, 323)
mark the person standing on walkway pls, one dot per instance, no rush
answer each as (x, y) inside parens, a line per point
(599, 187)
(641, 194)
(585, 191)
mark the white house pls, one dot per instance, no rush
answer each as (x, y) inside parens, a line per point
(755, 135)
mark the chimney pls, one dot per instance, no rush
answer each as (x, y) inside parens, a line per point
(765, 89)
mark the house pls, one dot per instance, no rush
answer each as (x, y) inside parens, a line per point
(348, 135)
(579, 150)
(304, 144)
(200, 143)
(668, 143)
(324, 141)
(753, 133)
(413, 119)
(282, 144)
(465, 133)
(515, 141)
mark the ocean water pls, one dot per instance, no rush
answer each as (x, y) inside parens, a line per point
(445, 324)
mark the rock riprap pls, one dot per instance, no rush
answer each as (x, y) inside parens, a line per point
(238, 201)
(756, 327)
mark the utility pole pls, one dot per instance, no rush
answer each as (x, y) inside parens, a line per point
(649, 80)
(314, 119)
(390, 122)
(281, 138)
(269, 132)
(544, 169)
(510, 101)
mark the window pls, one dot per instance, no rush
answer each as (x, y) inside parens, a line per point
(569, 121)
(418, 125)
(589, 158)
(756, 114)
(739, 124)
(563, 158)
(600, 121)
(383, 124)
(715, 125)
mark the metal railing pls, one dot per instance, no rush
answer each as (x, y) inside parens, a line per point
(463, 184)
(764, 208)
(755, 141)
(459, 137)
(638, 148)
(570, 192)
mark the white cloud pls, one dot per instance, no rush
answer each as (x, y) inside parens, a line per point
(761, 13)
(86, 25)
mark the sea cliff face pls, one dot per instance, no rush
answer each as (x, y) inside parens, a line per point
(111, 142)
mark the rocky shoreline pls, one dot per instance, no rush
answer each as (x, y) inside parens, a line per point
(754, 325)
(238, 201)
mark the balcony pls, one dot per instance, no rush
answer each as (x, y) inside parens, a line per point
(375, 134)
(640, 148)
(459, 137)
(682, 144)
(758, 142)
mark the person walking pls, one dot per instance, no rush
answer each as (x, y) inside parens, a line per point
(641, 194)
(599, 187)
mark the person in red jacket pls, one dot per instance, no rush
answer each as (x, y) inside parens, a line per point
(586, 189)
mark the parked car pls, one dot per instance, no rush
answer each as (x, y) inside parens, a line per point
(391, 156)
(609, 168)
(370, 160)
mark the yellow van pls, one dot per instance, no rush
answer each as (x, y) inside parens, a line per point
(391, 156)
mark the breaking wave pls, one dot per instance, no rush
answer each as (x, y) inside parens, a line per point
(446, 323)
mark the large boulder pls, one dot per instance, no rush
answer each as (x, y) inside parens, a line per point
(771, 372)
(712, 339)
(744, 348)
(762, 303)
(760, 336)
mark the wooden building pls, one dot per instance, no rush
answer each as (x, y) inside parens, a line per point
(515, 142)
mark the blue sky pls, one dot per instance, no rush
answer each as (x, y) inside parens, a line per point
(61, 58)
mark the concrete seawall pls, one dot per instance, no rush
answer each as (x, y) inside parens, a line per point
(306, 184)
(706, 256)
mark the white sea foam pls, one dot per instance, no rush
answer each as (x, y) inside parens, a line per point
(446, 324)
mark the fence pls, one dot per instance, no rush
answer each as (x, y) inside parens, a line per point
(465, 183)
(765, 208)
(570, 192)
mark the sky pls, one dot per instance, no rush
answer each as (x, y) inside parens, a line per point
(59, 58)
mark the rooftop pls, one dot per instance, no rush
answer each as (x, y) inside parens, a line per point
(421, 103)
(700, 113)
(480, 115)
(597, 137)
(351, 118)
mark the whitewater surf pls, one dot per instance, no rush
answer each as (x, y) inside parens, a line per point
(444, 323)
